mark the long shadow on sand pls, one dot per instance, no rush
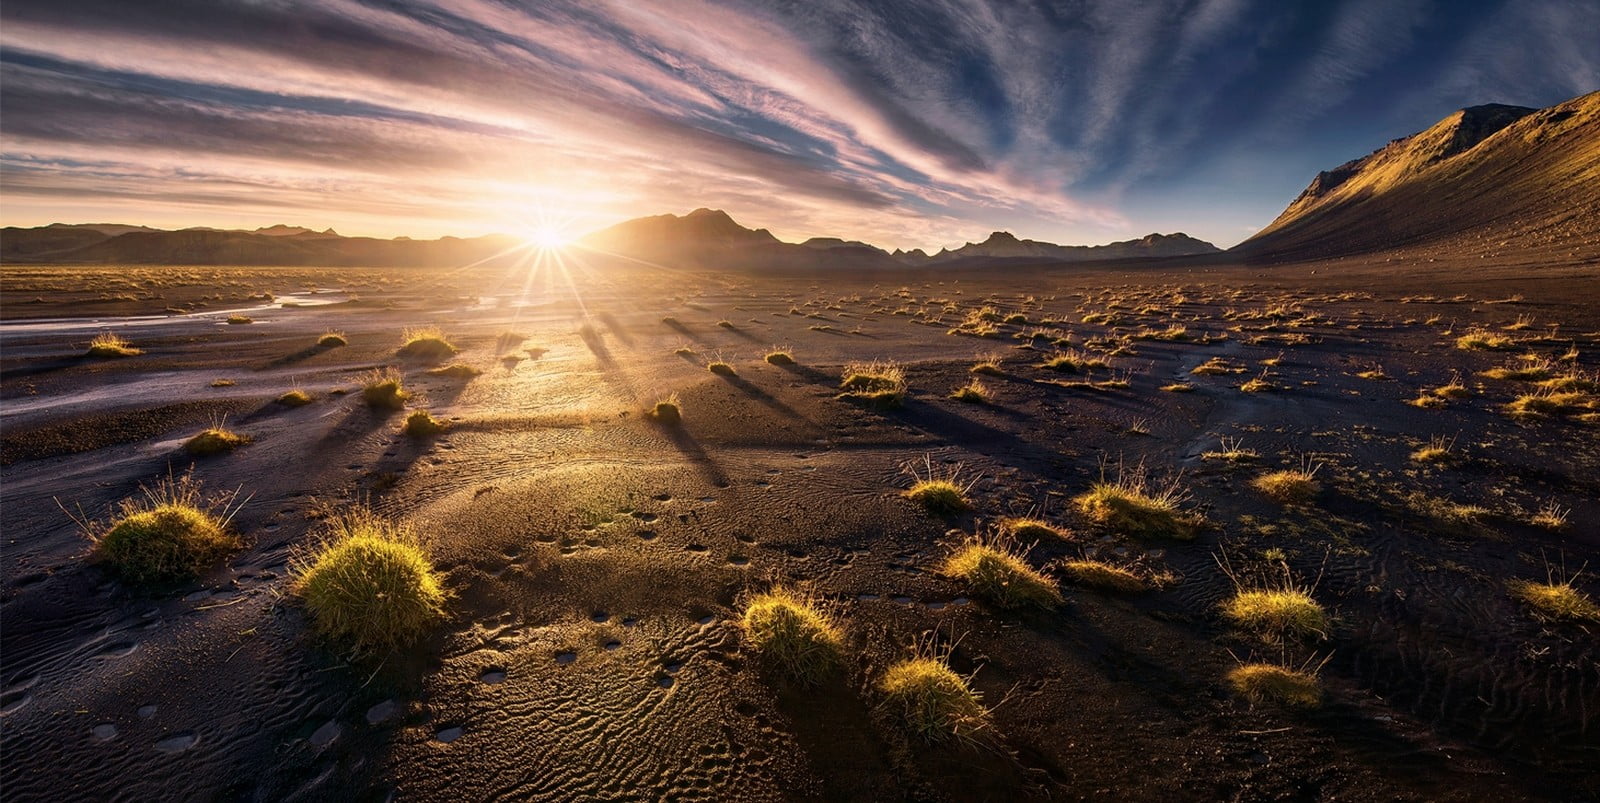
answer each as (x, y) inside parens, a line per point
(299, 356)
(958, 430)
(741, 333)
(609, 367)
(748, 389)
(616, 328)
(696, 454)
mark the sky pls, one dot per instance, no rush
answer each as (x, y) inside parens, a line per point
(904, 124)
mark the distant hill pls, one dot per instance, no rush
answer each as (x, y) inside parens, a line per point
(704, 238)
(1005, 246)
(1485, 180)
(710, 238)
(274, 245)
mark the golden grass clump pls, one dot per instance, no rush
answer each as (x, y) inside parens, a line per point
(997, 572)
(369, 584)
(1231, 450)
(1533, 405)
(1178, 387)
(1272, 683)
(1289, 486)
(238, 320)
(214, 440)
(332, 339)
(107, 344)
(1103, 576)
(1484, 340)
(721, 368)
(989, 366)
(457, 370)
(384, 390)
(422, 424)
(1133, 506)
(1032, 529)
(1552, 600)
(1438, 450)
(1074, 361)
(973, 392)
(877, 384)
(427, 343)
(667, 411)
(940, 496)
(935, 702)
(779, 357)
(294, 398)
(170, 534)
(1258, 385)
(792, 634)
(1284, 610)
(1530, 368)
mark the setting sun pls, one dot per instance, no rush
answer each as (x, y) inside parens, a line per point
(549, 238)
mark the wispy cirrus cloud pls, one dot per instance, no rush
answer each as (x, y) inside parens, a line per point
(907, 124)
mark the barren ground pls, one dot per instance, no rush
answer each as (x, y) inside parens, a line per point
(596, 558)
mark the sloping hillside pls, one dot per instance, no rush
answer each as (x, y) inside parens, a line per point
(1487, 180)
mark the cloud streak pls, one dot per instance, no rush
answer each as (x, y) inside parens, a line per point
(906, 124)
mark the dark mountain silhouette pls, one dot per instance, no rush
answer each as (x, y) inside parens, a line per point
(277, 245)
(711, 239)
(1487, 179)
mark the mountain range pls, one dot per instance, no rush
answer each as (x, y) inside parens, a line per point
(1487, 180)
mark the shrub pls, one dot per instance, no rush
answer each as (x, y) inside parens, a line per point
(879, 384)
(934, 701)
(1103, 576)
(973, 392)
(1073, 361)
(721, 368)
(384, 390)
(1271, 683)
(295, 398)
(939, 496)
(792, 634)
(1132, 506)
(1288, 487)
(1552, 600)
(780, 358)
(667, 411)
(169, 535)
(989, 366)
(214, 440)
(106, 344)
(1032, 529)
(1484, 340)
(331, 339)
(422, 424)
(427, 343)
(368, 584)
(1286, 610)
(457, 370)
(998, 572)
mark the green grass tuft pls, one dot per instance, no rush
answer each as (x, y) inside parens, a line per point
(214, 440)
(422, 424)
(997, 572)
(1271, 683)
(368, 584)
(427, 343)
(169, 535)
(110, 345)
(934, 701)
(792, 634)
(384, 390)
